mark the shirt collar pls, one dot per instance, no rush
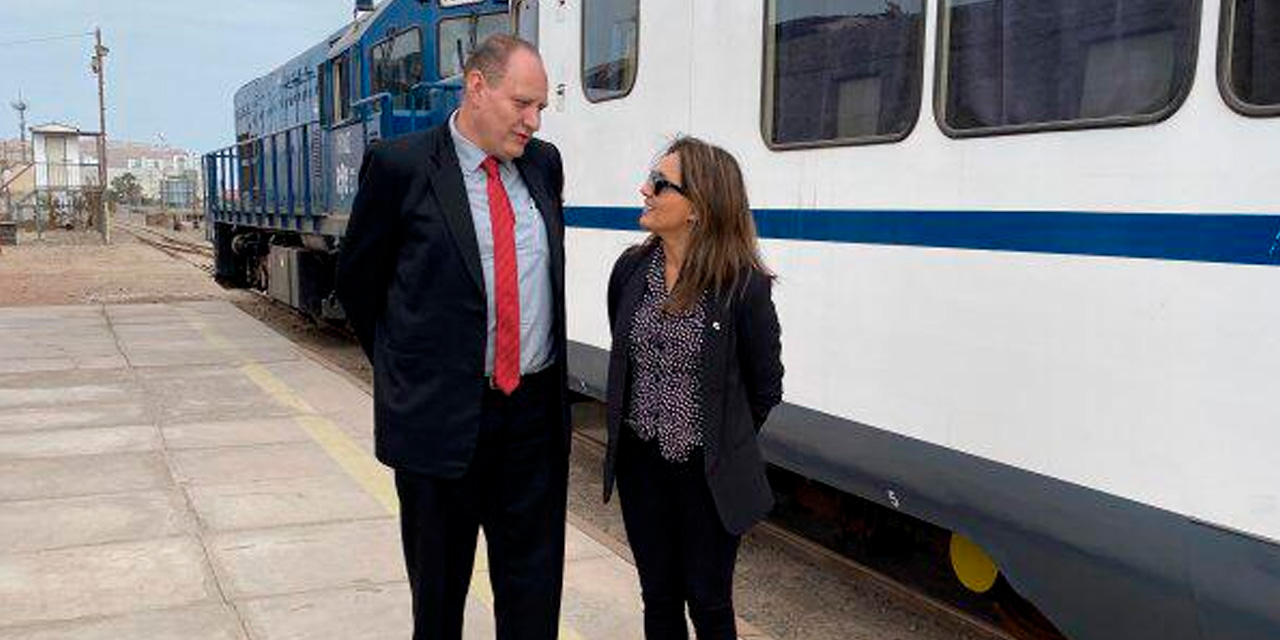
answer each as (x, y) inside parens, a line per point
(470, 156)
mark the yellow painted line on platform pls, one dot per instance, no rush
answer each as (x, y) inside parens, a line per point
(372, 476)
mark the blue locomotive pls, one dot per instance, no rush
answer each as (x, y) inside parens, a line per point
(277, 201)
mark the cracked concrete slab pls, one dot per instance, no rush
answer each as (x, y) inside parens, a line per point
(62, 417)
(373, 612)
(199, 622)
(78, 442)
(102, 580)
(24, 479)
(233, 465)
(288, 559)
(282, 502)
(32, 525)
(231, 433)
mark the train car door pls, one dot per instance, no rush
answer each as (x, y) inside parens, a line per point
(620, 74)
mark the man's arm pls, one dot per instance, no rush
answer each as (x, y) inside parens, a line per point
(367, 260)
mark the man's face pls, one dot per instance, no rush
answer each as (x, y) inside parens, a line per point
(509, 111)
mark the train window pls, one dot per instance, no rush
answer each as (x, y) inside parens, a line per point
(341, 85)
(1058, 64)
(841, 72)
(397, 65)
(610, 48)
(458, 38)
(1249, 59)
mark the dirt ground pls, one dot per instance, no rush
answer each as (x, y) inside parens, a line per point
(74, 267)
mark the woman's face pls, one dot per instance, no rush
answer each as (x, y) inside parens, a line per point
(666, 210)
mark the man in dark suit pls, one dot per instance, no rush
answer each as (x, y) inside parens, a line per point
(452, 274)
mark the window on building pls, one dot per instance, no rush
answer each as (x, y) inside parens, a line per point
(1017, 66)
(1251, 55)
(842, 72)
(56, 161)
(610, 48)
(458, 38)
(397, 66)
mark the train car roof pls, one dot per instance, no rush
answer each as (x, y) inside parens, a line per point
(357, 29)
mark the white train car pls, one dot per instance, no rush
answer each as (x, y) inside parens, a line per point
(1027, 258)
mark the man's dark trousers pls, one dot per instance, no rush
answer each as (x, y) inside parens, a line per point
(514, 489)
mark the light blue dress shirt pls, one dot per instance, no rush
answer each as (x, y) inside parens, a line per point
(533, 256)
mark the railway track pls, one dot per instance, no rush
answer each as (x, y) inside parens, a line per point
(197, 254)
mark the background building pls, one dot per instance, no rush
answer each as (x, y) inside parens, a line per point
(66, 174)
(178, 189)
(166, 175)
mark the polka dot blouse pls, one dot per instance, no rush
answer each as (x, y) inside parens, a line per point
(666, 357)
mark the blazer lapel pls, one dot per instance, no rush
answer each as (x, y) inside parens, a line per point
(715, 346)
(714, 333)
(446, 181)
(632, 291)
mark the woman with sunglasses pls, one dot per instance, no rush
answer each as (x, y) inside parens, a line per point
(694, 371)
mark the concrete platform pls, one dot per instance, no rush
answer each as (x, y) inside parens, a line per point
(180, 471)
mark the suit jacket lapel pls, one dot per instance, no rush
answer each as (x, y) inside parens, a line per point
(446, 181)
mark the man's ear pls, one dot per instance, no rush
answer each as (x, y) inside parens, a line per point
(474, 82)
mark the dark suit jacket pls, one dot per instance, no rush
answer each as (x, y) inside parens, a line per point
(410, 282)
(741, 377)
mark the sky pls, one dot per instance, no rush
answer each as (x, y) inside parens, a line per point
(173, 68)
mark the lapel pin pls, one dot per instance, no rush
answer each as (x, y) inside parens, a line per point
(715, 325)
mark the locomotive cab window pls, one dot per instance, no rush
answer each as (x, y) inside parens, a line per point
(458, 37)
(610, 48)
(397, 66)
(1249, 57)
(841, 72)
(1058, 64)
(339, 88)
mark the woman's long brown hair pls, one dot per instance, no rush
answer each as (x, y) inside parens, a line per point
(722, 245)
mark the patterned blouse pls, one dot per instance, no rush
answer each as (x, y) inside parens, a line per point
(666, 357)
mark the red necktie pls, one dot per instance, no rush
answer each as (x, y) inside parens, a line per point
(506, 289)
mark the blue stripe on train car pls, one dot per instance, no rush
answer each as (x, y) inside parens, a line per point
(1223, 238)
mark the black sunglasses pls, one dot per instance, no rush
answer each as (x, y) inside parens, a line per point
(661, 183)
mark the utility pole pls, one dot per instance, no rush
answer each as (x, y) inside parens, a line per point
(99, 67)
(21, 106)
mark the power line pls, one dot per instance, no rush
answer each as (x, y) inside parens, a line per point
(16, 43)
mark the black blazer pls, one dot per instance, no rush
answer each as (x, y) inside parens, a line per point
(410, 282)
(741, 376)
